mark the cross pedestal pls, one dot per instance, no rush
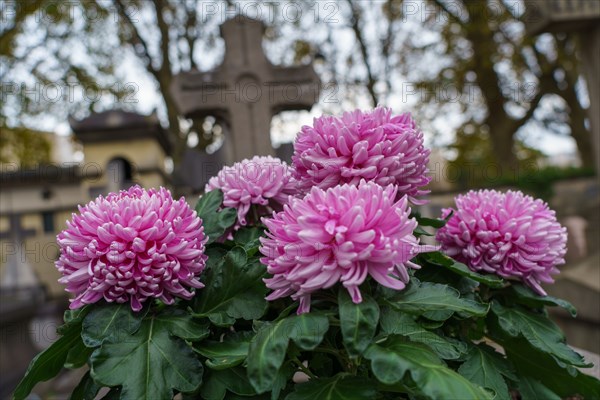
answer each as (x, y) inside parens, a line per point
(246, 90)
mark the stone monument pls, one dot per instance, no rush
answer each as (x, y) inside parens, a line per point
(245, 91)
(583, 18)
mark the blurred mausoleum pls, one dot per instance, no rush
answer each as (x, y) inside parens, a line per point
(120, 149)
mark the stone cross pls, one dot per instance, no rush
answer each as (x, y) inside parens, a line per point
(246, 90)
(583, 18)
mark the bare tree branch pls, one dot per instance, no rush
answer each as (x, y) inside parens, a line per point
(363, 51)
(139, 44)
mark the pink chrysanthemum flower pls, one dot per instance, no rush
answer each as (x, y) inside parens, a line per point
(340, 235)
(131, 246)
(264, 181)
(509, 234)
(374, 146)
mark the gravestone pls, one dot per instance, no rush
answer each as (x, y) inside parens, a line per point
(18, 278)
(245, 91)
(583, 18)
(21, 295)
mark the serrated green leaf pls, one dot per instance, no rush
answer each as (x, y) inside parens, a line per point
(340, 387)
(486, 368)
(109, 322)
(72, 318)
(233, 287)
(78, 355)
(149, 364)
(539, 330)
(532, 389)
(214, 220)
(441, 260)
(436, 301)
(526, 296)
(532, 363)
(221, 319)
(248, 238)
(284, 377)
(48, 363)
(269, 346)
(215, 254)
(181, 324)
(396, 323)
(218, 383)
(391, 360)
(86, 389)
(358, 322)
(228, 353)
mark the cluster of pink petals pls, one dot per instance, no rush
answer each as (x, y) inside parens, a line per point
(131, 246)
(342, 235)
(265, 182)
(509, 234)
(374, 146)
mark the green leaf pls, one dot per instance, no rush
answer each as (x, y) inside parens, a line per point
(432, 222)
(542, 333)
(435, 300)
(214, 221)
(113, 394)
(391, 360)
(230, 352)
(181, 324)
(149, 364)
(234, 288)
(441, 260)
(532, 389)
(218, 383)
(562, 380)
(421, 232)
(340, 387)
(110, 322)
(86, 388)
(48, 364)
(486, 368)
(358, 322)
(526, 296)
(395, 323)
(284, 376)
(74, 315)
(221, 319)
(78, 355)
(269, 346)
(248, 238)
(215, 254)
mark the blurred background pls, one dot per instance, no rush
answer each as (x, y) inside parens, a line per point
(99, 95)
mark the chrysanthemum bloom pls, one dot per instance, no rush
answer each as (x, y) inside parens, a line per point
(341, 235)
(374, 146)
(131, 246)
(265, 182)
(509, 234)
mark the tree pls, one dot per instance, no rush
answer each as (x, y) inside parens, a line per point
(371, 52)
(23, 147)
(506, 80)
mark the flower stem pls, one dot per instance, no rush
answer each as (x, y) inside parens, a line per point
(303, 368)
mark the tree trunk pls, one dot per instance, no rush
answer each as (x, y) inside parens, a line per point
(503, 142)
(499, 123)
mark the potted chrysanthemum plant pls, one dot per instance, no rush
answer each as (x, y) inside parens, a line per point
(311, 281)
